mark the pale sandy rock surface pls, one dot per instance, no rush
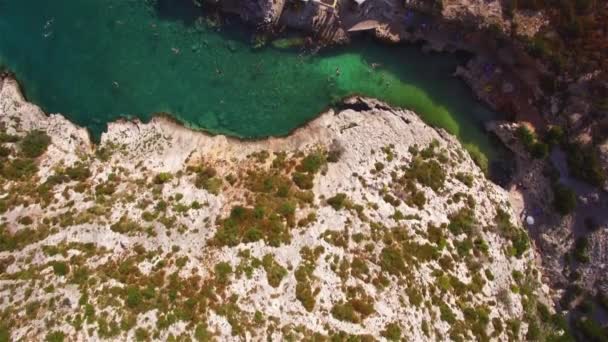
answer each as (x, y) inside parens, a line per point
(150, 255)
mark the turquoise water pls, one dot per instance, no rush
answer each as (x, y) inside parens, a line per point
(97, 60)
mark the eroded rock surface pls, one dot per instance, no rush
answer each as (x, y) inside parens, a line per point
(366, 221)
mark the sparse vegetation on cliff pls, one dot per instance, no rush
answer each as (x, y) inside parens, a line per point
(179, 243)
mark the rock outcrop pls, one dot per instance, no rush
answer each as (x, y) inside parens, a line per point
(365, 222)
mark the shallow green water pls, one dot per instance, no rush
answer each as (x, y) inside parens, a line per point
(96, 60)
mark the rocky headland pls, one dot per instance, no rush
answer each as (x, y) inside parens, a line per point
(365, 223)
(542, 64)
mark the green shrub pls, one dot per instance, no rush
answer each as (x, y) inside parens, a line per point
(5, 151)
(514, 325)
(417, 198)
(305, 295)
(104, 153)
(414, 296)
(163, 177)
(354, 310)
(462, 222)
(525, 135)
(591, 329)
(125, 225)
(142, 335)
(26, 220)
(222, 272)
(55, 336)
(539, 47)
(245, 224)
(312, 163)
(345, 312)
(479, 158)
(8, 138)
(465, 178)
(338, 201)
(447, 314)
(391, 261)
(358, 268)
(252, 235)
(78, 172)
(274, 272)
(5, 333)
(520, 243)
(201, 334)
(333, 156)
(18, 168)
(22, 237)
(60, 268)
(105, 189)
(134, 297)
(564, 199)
(34, 144)
(584, 163)
(304, 181)
(519, 238)
(539, 150)
(536, 148)
(206, 178)
(555, 135)
(213, 185)
(580, 250)
(260, 156)
(429, 173)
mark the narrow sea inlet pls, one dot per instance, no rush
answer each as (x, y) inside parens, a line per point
(97, 60)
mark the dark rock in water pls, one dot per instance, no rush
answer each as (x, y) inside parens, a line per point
(355, 104)
(255, 12)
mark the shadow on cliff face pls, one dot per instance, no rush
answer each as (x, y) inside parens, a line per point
(185, 11)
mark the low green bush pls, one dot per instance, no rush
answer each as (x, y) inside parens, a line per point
(580, 250)
(447, 314)
(5, 151)
(354, 310)
(18, 169)
(391, 261)
(163, 177)
(274, 271)
(462, 222)
(479, 158)
(304, 181)
(533, 145)
(564, 199)
(429, 173)
(8, 138)
(60, 268)
(584, 163)
(55, 336)
(312, 163)
(520, 241)
(338, 202)
(222, 272)
(34, 144)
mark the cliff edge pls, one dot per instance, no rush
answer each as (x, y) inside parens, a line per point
(365, 223)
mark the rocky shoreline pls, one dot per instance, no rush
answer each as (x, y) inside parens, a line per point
(504, 75)
(371, 236)
(501, 74)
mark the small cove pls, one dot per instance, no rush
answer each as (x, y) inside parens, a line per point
(95, 61)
